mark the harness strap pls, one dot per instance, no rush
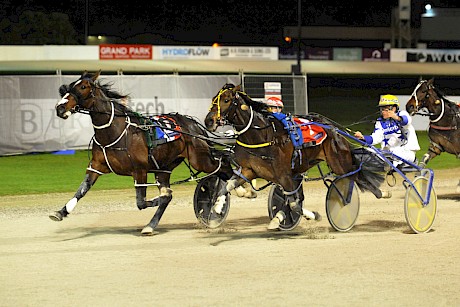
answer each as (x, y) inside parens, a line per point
(255, 145)
(440, 114)
(443, 128)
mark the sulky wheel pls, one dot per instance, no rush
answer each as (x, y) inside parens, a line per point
(204, 199)
(276, 201)
(419, 217)
(342, 204)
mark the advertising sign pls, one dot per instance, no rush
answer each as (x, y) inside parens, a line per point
(252, 53)
(433, 55)
(125, 52)
(185, 53)
(376, 55)
(319, 54)
(348, 54)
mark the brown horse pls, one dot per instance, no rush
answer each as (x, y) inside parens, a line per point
(444, 132)
(128, 144)
(264, 150)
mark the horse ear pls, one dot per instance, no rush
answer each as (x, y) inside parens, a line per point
(96, 75)
(431, 81)
(63, 89)
(238, 88)
(83, 74)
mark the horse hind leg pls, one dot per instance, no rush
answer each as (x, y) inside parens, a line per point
(245, 190)
(295, 203)
(81, 191)
(162, 202)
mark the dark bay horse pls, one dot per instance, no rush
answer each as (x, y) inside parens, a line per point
(264, 150)
(128, 144)
(444, 132)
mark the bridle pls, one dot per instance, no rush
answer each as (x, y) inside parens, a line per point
(438, 100)
(231, 111)
(422, 104)
(223, 120)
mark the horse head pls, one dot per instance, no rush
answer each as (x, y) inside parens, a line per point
(233, 106)
(224, 103)
(425, 96)
(78, 95)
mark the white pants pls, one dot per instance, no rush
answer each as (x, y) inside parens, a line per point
(403, 152)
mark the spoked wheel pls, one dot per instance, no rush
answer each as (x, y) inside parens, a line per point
(342, 204)
(204, 199)
(419, 217)
(276, 201)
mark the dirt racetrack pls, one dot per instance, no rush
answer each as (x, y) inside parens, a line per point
(97, 257)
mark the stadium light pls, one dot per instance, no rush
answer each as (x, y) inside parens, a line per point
(429, 12)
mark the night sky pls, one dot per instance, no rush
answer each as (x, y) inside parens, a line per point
(204, 22)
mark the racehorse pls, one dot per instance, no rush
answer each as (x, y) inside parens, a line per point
(444, 117)
(264, 150)
(128, 144)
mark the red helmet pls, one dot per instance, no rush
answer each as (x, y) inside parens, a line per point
(275, 102)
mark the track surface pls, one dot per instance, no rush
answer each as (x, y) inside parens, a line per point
(97, 257)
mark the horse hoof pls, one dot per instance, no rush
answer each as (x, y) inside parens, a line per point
(318, 216)
(251, 194)
(274, 224)
(386, 194)
(213, 224)
(276, 221)
(56, 216)
(147, 231)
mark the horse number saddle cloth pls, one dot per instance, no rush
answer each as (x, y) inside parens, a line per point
(162, 129)
(303, 133)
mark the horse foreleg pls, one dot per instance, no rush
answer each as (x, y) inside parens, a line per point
(230, 185)
(162, 202)
(82, 190)
(433, 151)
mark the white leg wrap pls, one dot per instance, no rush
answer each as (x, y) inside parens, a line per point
(71, 204)
(280, 216)
(219, 205)
(231, 185)
(165, 191)
(308, 214)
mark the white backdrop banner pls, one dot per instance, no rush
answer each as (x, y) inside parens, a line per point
(29, 123)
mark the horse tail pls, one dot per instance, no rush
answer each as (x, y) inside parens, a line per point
(369, 178)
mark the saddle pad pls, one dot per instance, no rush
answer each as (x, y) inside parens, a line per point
(311, 133)
(162, 132)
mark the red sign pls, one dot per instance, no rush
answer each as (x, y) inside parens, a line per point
(125, 52)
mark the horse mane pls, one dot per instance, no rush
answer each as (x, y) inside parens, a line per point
(257, 106)
(106, 88)
(443, 96)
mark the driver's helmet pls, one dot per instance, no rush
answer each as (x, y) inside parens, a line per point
(388, 100)
(274, 102)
